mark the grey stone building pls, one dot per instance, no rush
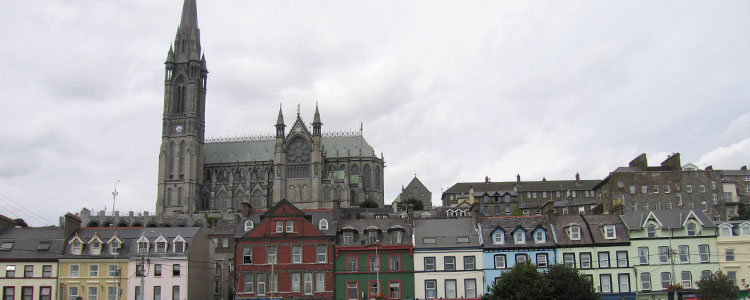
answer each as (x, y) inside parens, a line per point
(736, 184)
(416, 190)
(667, 186)
(524, 197)
(303, 165)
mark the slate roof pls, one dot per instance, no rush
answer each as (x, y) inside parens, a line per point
(26, 243)
(561, 236)
(262, 150)
(510, 224)
(129, 237)
(669, 218)
(445, 232)
(381, 224)
(597, 223)
(501, 187)
(256, 217)
(736, 172)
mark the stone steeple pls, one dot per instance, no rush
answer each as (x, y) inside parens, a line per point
(187, 43)
(316, 121)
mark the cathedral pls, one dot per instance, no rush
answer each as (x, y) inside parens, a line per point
(303, 165)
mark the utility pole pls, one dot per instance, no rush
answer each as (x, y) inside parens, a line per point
(115, 285)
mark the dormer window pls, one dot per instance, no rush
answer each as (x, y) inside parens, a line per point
(348, 238)
(114, 247)
(540, 237)
(519, 237)
(609, 232)
(574, 232)
(725, 231)
(397, 236)
(96, 248)
(249, 225)
(372, 237)
(143, 245)
(6, 246)
(651, 230)
(178, 245)
(745, 229)
(323, 224)
(691, 229)
(161, 245)
(77, 247)
(498, 238)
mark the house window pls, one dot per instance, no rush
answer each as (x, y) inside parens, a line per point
(397, 236)
(644, 189)
(430, 289)
(687, 279)
(260, 280)
(646, 281)
(622, 259)
(702, 188)
(142, 247)
(374, 287)
(289, 226)
(249, 286)
(691, 229)
(27, 293)
(498, 237)
(624, 281)
(703, 253)
(279, 226)
(667, 188)
(296, 254)
(161, 247)
(372, 237)
(609, 232)
(308, 283)
(157, 293)
(111, 270)
(271, 254)
(684, 254)
(73, 270)
(323, 224)
(348, 238)
(93, 293)
(541, 260)
(394, 289)
(428, 240)
(157, 270)
(663, 254)
(632, 189)
(429, 264)
(28, 271)
(605, 281)
(351, 264)
(321, 253)
(394, 263)
(47, 271)
(499, 261)
(469, 263)
(569, 259)
(520, 237)
(521, 258)
(9, 293)
(179, 247)
(462, 240)
(76, 249)
(656, 188)
(45, 293)
(540, 237)
(449, 263)
(585, 258)
(352, 290)
(689, 188)
(247, 255)
(374, 263)
(175, 292)
(603, 259)
(320, 282)
(729, 254)
(643, 255)
(666, 279)
(620, 183)
(574, 232)
(470, 288)
(450, 288)
(96, 248)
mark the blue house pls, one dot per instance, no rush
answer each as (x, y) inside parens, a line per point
(510, 240)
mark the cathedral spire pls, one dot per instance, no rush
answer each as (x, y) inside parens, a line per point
(316, 121)
(187, 44)
(189, 14)
(280, 124)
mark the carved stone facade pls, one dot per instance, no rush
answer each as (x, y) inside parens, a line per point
(308, 168)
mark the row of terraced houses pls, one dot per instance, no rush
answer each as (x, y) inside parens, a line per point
(361, 253)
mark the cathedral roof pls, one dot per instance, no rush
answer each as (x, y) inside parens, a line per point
(262, 150)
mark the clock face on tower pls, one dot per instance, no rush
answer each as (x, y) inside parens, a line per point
(298, 151)
(178, 129)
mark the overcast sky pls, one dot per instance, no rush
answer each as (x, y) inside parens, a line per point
(449, 91)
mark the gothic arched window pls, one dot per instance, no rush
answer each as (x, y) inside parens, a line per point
(337, 194)
(257, 200)
(298, 156)
(221, 202)
(181, 156)
(326, 195)
(179, 196)
(377, 177)
(238, 196)
(171, 158)
(367, 177)
(355, 170)
(169, 197)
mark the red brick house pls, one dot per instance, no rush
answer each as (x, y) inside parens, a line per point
(285, 253)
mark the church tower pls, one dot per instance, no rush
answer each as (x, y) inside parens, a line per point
(181, 153)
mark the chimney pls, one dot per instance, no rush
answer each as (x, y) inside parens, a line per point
(673, 162)
(710, 168)
(6, 223)
(486, 179)
(639, 162)
(544, 179)
(471, 194)
(71, 223)
(245, 206)
(410, 213)
(578, 178)
(337, 209)
(743, 168)
(475, 212)
(518, 179)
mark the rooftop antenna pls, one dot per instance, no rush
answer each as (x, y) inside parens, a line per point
(114, 197)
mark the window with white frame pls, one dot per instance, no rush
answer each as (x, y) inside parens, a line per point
(499, 261)
(247, 255)
(540, 237)
(520, 237)
(296, 254)
(320, 282)
(604, 259)
(643, 255)
(684, 253)
(249, 225)
(574, 232)
(521, 258)
(569, 259)
(271, 254)
(691, 229)
(321, 254)
(705, 256)
(644, 189)
(622, 259)
(663, 254)
(585, 258)
(289, 226)
(541, 260)
(624, 281)
(646, 281)
(279, 226)
(655, 188)
(687, 279)
(609, 232)
(429, 263)
(651, 230)
(632, 189)
(605, 281)
(689, 188)
(498, 237)
(666, 279)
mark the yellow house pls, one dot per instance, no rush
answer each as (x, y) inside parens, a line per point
(90, 268)
(732, 244)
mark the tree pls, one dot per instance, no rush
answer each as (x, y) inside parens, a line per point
(718, 286)
(369, 204)
(567, 283)
(517, 212)
(523, 282)
(418, 205)
(743, 213)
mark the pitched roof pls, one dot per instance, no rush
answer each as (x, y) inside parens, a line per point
(672, 219)
(561, 223)
(510, 224)
(129, 237)
(544, 185)
(313, 216)
(381, 224)
(415, 182)
(596, 229)
(26, 243)
(262, 150)
(446, 232)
